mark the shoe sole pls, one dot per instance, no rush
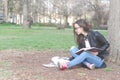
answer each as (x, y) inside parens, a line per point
(92, 67)
(59, 67)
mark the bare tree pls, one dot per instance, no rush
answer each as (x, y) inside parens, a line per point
(1, 11)
(63, 10)
(113, 31)
(11, 9)
(18, 11)
(100, 12)
(32, 10)
(15, 11)
(78, 8)
(6, 10)
(26, 22)
(1, 6)
(59, 10)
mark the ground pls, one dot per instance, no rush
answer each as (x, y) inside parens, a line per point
(27, 65)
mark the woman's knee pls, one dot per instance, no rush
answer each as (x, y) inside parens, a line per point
(85, 53)
(73, 49)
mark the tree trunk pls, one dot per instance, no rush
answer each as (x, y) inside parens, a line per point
(26, 22)
(114, 31)
(66, 22)
(5, 10)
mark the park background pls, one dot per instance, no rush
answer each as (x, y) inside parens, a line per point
(33, 31)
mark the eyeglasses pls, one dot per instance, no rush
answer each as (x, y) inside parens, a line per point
(76, 28)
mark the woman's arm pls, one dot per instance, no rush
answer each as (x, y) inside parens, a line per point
(101, 39)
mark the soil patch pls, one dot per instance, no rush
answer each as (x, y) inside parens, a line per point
(27, 65)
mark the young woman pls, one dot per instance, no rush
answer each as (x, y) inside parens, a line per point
(86, 38)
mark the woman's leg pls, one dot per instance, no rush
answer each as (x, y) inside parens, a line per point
(73, 51)
(88, 65)
(86, 56)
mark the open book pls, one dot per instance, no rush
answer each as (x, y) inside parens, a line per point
(92, 49)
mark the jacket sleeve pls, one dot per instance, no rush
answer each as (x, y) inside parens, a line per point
(102, 41)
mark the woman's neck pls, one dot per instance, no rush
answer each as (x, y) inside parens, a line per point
(85, 33)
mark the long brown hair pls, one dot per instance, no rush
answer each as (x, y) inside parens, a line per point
(79, 38)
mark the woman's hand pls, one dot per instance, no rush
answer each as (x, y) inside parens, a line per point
(95, 53)
(85, 49)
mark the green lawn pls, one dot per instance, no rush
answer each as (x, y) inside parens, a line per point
(37, 38)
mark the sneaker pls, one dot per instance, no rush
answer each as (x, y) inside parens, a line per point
(62, 64)
(55, 59)
(91, 66)
(51, 64)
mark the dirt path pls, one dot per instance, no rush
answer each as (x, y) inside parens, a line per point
(27, 65)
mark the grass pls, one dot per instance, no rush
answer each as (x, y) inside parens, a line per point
(39, 77)
(108, 69)
(14, 37)
(37, 38)
(5, 64)
(5, 73)
(4, 70)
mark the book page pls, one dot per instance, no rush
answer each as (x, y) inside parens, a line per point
(92, 49)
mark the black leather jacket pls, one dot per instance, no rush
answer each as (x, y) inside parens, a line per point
(97, 40)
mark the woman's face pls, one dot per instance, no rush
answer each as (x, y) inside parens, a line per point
(78, 29)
